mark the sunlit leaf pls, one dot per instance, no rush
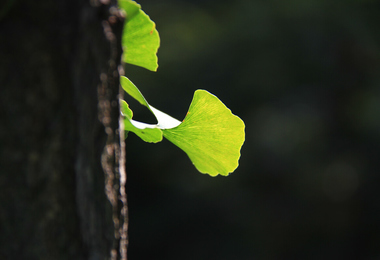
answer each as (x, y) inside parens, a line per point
(147, 132)
(210, 135)
(140, 38)
(163, 119)
(132, 90)
(125, 110)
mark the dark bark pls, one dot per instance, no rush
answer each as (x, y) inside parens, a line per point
(53, 203)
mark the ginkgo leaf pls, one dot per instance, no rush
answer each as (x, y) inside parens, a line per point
(210, 135)
(163, 119)
(133, 91)
(140, 38)
(148, 133)
(125, 110)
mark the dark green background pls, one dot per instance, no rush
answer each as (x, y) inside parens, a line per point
(304, 76)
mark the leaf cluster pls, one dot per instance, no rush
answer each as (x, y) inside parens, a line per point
(209, 134)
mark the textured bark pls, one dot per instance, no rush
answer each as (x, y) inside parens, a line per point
(52, 201)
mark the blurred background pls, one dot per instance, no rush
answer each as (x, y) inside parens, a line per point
(304, 76)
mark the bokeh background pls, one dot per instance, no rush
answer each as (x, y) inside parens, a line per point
(304, 76)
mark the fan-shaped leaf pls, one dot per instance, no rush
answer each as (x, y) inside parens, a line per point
(140, 38)
(210, 135)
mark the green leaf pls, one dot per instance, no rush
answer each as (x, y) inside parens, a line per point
(210, 135)
(133, 91)
(140, 38)
(148, 133)
(125, 110)
(164, 120)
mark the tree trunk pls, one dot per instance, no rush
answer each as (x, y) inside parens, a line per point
(58, 95)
